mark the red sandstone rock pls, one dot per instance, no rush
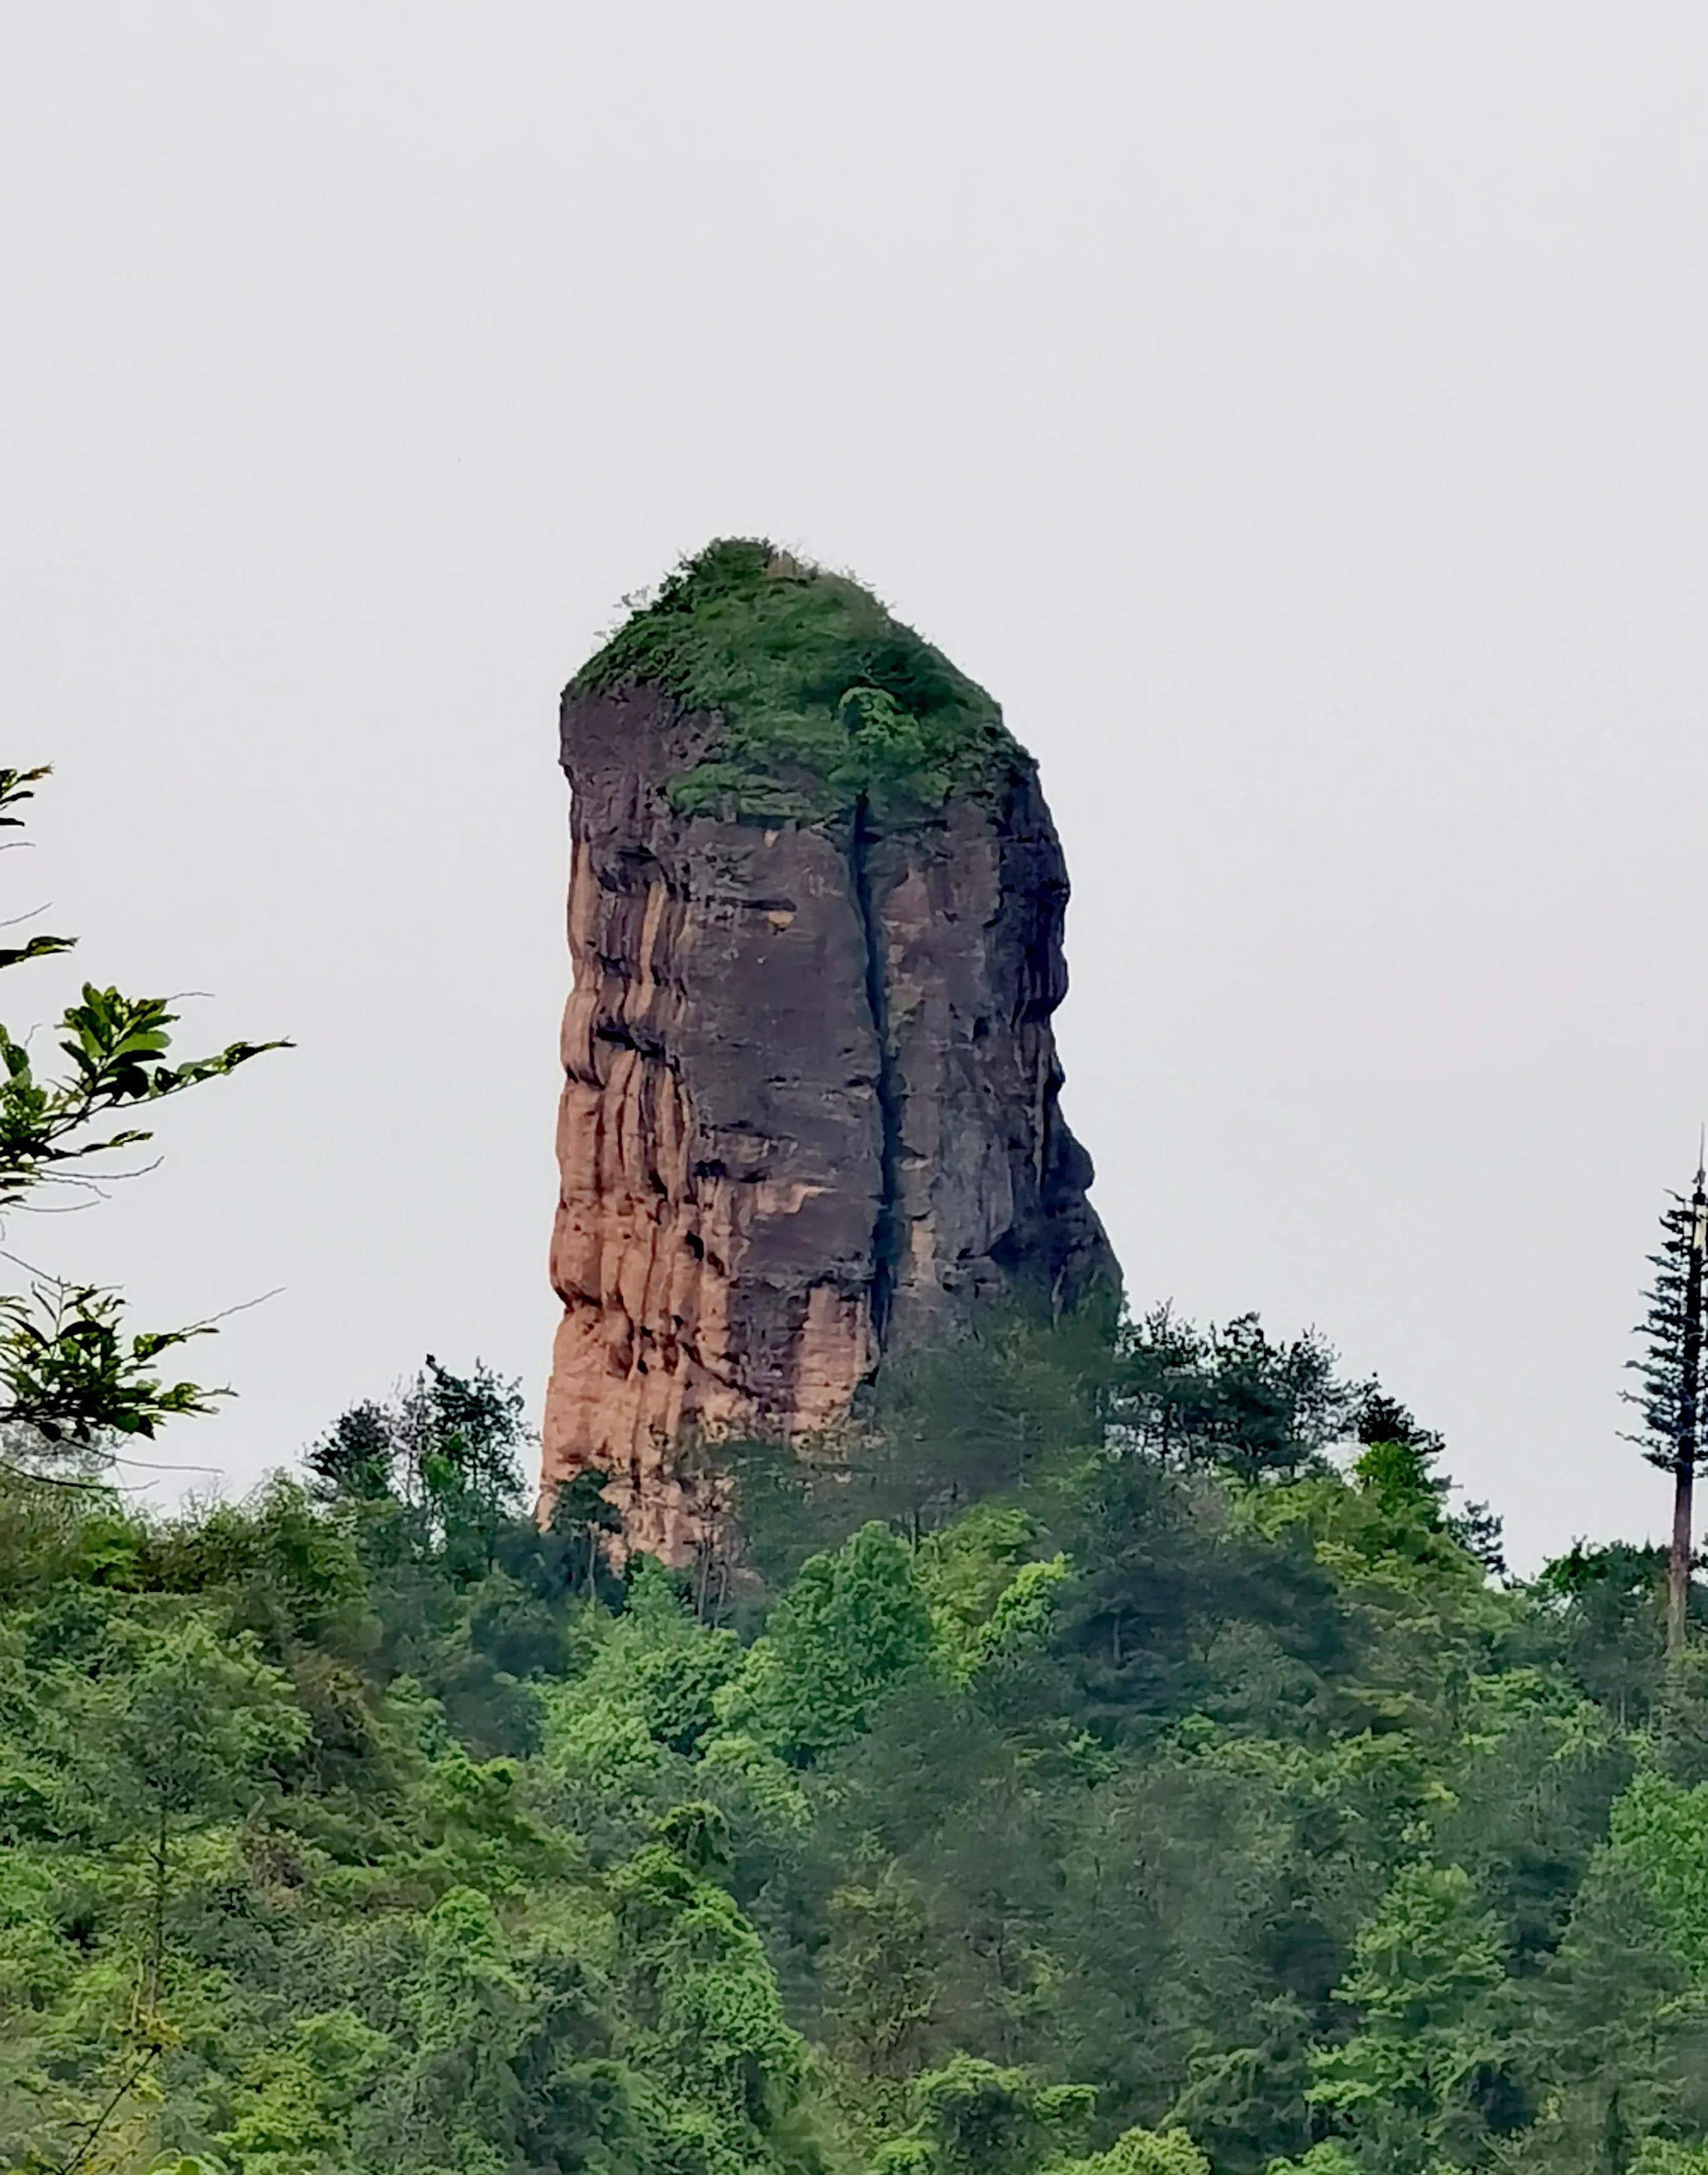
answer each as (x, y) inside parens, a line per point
(809, 1104)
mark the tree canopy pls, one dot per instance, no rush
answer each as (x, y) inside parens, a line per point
(1183, 1798)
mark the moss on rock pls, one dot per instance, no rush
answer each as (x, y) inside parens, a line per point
(823, 698)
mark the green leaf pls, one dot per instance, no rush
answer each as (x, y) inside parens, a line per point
(38, 947)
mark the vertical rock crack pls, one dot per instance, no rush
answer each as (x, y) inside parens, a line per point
(886, 1230)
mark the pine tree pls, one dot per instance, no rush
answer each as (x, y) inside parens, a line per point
(1670, 1370)
(354, 1459)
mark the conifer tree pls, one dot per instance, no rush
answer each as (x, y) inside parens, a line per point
(1670, 1370)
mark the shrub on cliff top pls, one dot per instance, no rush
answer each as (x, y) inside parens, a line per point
(825, 699)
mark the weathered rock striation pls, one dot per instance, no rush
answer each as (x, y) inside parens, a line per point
(810, 1109)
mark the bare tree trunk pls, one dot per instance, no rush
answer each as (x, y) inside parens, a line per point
(1679, 1560)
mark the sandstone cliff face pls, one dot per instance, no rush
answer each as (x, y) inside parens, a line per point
(810, 1110)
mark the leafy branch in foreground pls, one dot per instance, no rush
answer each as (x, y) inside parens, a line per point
(70, 1374)
(116, 1046)
(68, 1371)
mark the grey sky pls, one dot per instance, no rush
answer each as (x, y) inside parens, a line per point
(1295, 414)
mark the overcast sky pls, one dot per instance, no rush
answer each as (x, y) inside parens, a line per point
(1293, 412)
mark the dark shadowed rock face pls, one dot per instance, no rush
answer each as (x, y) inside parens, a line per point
(809, 1108)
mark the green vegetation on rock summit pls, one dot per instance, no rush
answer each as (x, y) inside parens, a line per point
(823, 698)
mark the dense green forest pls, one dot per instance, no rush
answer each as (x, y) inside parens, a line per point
(1118, 1755)
(1096, 1769)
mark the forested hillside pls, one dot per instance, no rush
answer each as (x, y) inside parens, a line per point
(1126, 1761)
